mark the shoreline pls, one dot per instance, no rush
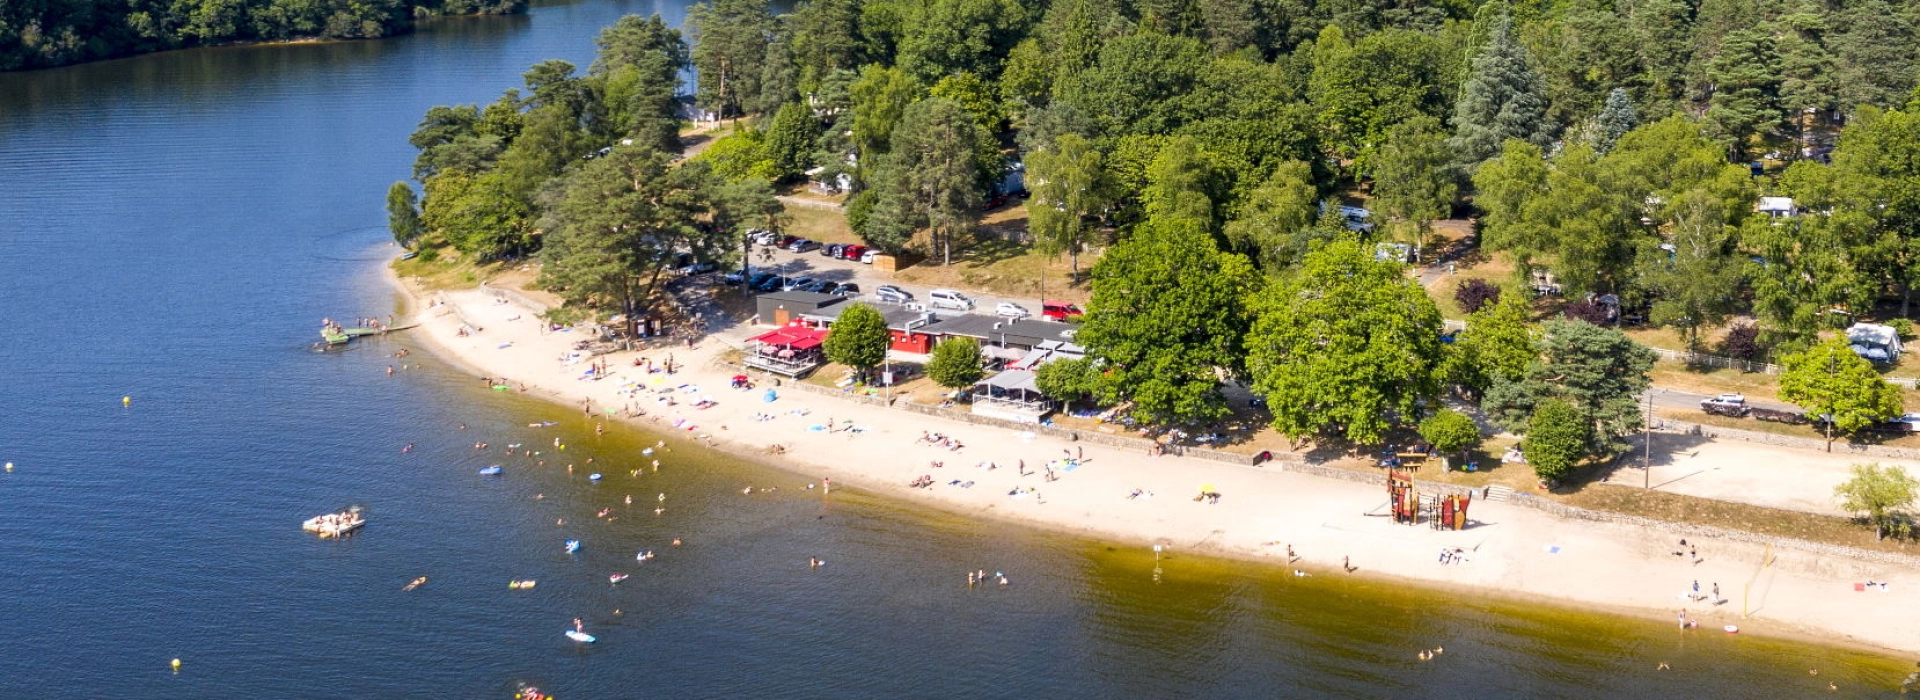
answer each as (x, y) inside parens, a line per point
(1515, 555)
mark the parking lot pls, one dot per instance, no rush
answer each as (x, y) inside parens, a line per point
(813, 264)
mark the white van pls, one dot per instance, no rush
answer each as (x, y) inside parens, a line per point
(949, 299)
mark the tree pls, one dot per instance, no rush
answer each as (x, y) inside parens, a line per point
(1742, 342)
(1182, 184)
(1598, 371)
(1495, 346)
(1615, 120)
(1343, 343)
(1275, 224)
(1067, 379)
(1508, 186)
(955, 363)
(1413, 180)
(616, 225)
(1067, 189)
(639, 67)
(790, 140)
(1138, 84)
(1557, 437)
(403, 218)
(1502, 99)
(1878, 492)
(932, 176)
(1475, 294)
(730, 41)
(1167, 316)
(1450, 431)
(1837, 387)
(1746, 89)
(1875, 65)
(1693, 276)
(859, 338)
(880, 99)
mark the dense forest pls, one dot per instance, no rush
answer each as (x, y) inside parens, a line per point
(1607, 151)
(46, 33)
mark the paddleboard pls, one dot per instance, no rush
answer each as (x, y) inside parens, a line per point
(490, 471)
(573, 546)
(579, 636)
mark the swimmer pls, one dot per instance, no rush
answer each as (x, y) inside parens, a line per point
(629, 499)
(1425, 655)
(747, 490)
(676, 541)
(814, 562)
(658, 511)
(561, 521)
(1663, 667)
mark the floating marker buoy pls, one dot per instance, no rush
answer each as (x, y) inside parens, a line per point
(176, 665)
(126, 401)
(9, 467)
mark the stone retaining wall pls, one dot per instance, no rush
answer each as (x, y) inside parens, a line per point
(1296, 463)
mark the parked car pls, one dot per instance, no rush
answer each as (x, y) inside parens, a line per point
(784, 242)
(803, 245)
(846, 289)
(832, 250)
(1060, 311)
(852, 251)
(1734, 405)
(699, 268)
(772, 283)
(736, 277)
(891, 294)
(949, 299)
(868, 256)
(1905, 423)
(798, 282)
(762, 237)
(1008, 309)
(821, 287)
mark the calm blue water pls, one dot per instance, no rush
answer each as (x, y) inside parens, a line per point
(173, 227)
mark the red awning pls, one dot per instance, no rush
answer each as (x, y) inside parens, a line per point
(794, 338)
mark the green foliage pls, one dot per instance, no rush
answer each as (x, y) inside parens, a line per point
(1829, 380)
(956, 363)
(741, 154)
(1879, 493)
(476, 214)
(730, 39)
(1598, 371)
(1068, 188)
(1183, 185)
(1615, 120)
(1276, 222)
(1693, 278)
(617, 224)
(1168, 315)
(1135, 87)
(1496, 346)
(826, 38)
(947, 37)
(789, 143)
(880, 99)
(1872, 50)
(1361, 90)
(1413, 178)
(1068, 380)
(1557, 436)
(638, 75)
(1746, 97)
(1343, 345)
(859, 338)
(1450, 431)
(1503, 99)
(931, 179)
(403, 216)
(43, 34)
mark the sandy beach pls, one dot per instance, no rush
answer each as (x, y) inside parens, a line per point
(1510, 551)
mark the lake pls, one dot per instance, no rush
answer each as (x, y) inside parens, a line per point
(172, 229)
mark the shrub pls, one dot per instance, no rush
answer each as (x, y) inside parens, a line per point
(1742, 342)
(1902, 326)
(1556, 439)
(1473, 294)
(1586, 310)
(1450, 431)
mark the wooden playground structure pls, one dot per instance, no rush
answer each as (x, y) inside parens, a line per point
(1447, 512)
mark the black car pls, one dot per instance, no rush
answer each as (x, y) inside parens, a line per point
(771, 284)
(846, 289)
(832, 250)
(758, 278)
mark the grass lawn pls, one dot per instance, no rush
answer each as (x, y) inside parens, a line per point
(443, 268)
(1003, 267)
(823, 225)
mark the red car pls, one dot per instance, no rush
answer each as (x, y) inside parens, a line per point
(1060, 311)
(853, 252)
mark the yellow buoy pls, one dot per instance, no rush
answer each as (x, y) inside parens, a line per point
(9, 467)
(176, 665)
(126, 401)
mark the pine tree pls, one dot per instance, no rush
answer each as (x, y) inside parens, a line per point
(1615, 120)
(1746, 88)
(1504, 98)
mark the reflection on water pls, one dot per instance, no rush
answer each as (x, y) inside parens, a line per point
(173, 227)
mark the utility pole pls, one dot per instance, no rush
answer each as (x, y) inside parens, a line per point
(1646, 456)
